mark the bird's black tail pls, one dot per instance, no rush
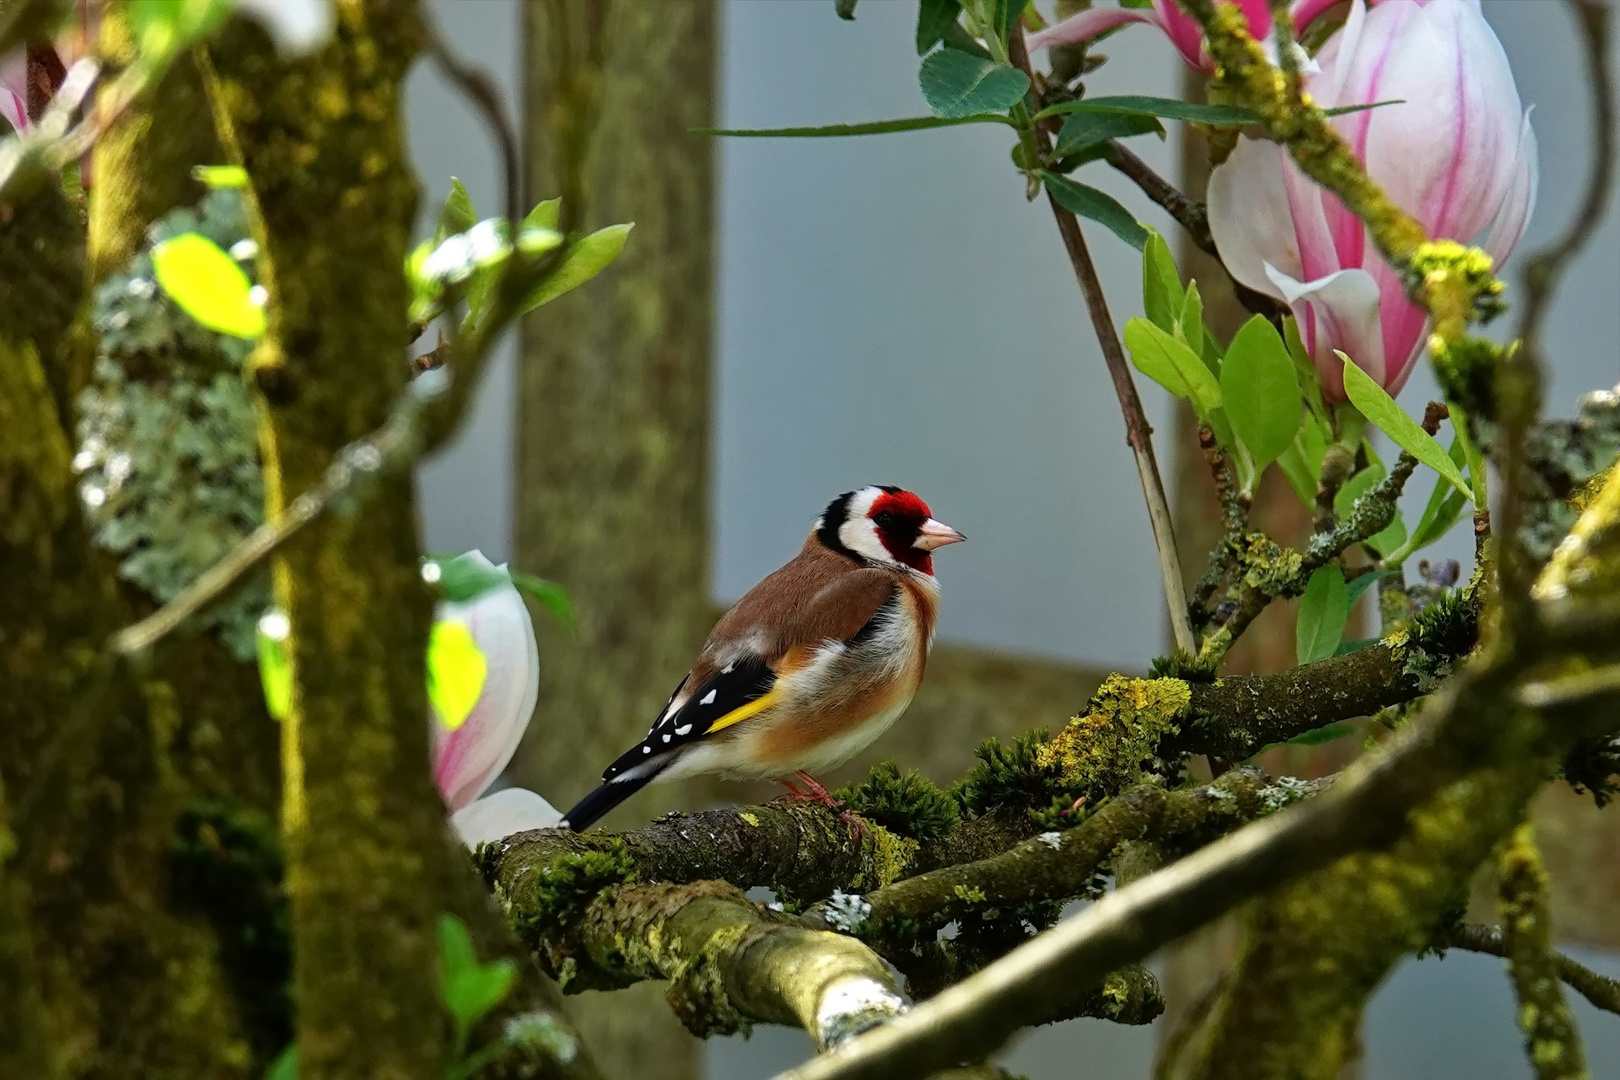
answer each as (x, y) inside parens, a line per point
(589, 810)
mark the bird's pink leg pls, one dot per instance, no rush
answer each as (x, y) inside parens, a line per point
(814, 792)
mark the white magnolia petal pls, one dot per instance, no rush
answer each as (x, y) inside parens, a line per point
(497, 816)
(1251, 217)
(1520, 200)
(1339, 311)
(468, 759)
(298, 27)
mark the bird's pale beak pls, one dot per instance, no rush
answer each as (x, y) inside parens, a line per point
(936, 534)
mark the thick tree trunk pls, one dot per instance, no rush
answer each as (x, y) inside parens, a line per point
(614, 430)
(321, 139)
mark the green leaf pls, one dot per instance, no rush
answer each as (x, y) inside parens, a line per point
(1382, 412)
(1143, 105)
(1347, 647)
(1471, 459)
(1322, 615)
(1005, 15)
(1431, 527)
(1083, 131)
(275, 666)
(1260, 392)
(163, 27)
(957, 84)
(1310, 383)
(1343, 110)
(208, 285)
(544, 215)
(1190, 323)
(464, 577)
(220, 177)
(285, 1067)
(934, 17)
(458, 214)
(1302, 462)
(587, 258)
(456, 672)
(875, 127)
(455, 948)
(1170, 363)
(845, 9)
(1327, 734)
(1088, 202)
(1357, 588)
(470, 989)
(1162, 294)
(550, 596)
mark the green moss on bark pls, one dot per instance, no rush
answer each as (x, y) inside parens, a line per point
(367, 872)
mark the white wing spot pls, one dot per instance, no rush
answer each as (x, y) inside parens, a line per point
(727, 669)
(646, 749)
(683, 729)
(708, 699)
(666, 736)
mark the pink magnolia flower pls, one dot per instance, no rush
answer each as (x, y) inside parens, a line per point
(1459, 155)
(74, 42)
(468, 756)
(1182, 29)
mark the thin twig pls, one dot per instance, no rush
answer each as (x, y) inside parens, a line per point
(480, 89)
(390, 446)
(1190, 214)
(1600, 990)
(1138, 433)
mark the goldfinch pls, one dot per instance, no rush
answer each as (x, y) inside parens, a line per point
(810, 666)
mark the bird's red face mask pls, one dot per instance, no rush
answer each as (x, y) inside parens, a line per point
(908, 530)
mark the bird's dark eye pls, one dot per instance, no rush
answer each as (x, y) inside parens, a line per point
(886, 519)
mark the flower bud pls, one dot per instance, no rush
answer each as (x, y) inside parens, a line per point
(491, 633)
(1457, 154)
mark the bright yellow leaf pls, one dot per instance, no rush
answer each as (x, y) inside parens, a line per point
(208, 285)
(456, 671)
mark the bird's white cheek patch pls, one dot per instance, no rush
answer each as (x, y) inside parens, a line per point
(861, 537)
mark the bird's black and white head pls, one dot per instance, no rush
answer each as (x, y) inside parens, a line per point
(884, 525)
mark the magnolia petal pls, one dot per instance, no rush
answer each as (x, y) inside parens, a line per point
(298, 27)
(1339, 311)
(1184, 33)
(497, 816)
(1084, 26)
(1305, 12)
(1446, 156)
(1514, 216)
(1256, 220)
(14, 89)
(467, 760)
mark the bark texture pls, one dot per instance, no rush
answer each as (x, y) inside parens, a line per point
(614, 421)
(322, 142)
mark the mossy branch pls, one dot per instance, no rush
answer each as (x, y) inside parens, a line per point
(1059, 866)
(1602, 991)
(729, 962)
(1551, 1039)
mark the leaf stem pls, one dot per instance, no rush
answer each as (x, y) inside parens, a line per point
(1138, 433)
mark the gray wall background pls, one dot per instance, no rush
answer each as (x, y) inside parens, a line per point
(893, 311)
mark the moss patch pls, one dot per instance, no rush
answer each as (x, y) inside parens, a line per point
(1104, 748)
(908, 803)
